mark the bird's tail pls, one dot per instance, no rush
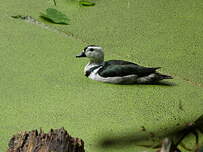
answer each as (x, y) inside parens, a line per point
(162, 76)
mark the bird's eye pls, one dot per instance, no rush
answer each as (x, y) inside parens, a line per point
(91, 49)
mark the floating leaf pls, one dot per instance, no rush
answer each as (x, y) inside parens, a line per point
(55, 16)
(86, 3)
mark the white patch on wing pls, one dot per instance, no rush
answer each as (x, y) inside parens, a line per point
(129, 79)
(147, 79)
(122, 80)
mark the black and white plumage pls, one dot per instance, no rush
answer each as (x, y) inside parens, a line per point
(117, 71)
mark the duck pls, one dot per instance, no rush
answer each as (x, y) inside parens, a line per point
(117, 71)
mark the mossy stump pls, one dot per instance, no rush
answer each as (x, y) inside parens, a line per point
(57, 140)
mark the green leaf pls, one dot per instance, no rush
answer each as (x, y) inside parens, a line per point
(55, 16)
(86, 3)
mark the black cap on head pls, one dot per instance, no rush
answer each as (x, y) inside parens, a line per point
(89, 46)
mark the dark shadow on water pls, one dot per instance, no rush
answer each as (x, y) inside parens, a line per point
(177, 134)
(160, 83)
(122, 140)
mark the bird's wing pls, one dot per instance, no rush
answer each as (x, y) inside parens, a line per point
(115, 68)
(118, 62)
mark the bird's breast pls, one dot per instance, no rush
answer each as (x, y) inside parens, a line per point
(89, 68)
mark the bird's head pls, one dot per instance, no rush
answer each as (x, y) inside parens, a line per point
(94, 53)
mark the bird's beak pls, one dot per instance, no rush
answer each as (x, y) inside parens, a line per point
(82, 54)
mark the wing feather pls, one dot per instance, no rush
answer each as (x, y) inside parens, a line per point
(115, 68)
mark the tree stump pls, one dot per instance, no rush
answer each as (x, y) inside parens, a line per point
(57, 140)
